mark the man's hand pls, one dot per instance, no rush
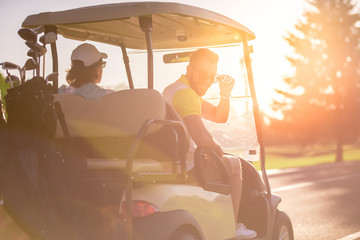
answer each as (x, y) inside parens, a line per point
(226, 84)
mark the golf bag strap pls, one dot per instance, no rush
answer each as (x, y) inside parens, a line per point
(78, 161)
(61, 118)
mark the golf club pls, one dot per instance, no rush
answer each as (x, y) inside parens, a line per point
(30, 34)
(12, 79)
(40, 50)
(12, 66)
(30, 64)
(9, 66)
(48, 38)
(51, 77)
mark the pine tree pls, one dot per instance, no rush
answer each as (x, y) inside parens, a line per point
(322, 99)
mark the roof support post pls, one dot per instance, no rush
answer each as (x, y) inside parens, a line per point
(127, 65)
(256, 109)
(145, 23)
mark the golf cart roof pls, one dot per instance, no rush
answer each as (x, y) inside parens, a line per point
(174, 25)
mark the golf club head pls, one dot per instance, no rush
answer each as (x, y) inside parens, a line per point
(12, 79)
(9, 66)
(39, 30)
(30, 64)
(31, 52)
(30, 34)
(48, 38)
(34, 46)
(52, 77)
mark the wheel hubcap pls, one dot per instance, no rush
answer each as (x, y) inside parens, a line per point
(284, 233)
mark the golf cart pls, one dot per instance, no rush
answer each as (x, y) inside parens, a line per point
(114, 167)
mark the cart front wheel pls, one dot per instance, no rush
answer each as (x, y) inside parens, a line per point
(283, 228)
(181, 234)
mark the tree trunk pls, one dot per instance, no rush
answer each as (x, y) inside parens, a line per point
(339, 148)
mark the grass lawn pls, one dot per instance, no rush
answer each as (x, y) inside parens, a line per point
(294, 156)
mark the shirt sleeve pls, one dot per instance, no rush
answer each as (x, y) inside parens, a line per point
(108, 91)
(186, 102)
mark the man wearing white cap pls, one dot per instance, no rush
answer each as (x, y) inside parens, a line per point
(86, 71)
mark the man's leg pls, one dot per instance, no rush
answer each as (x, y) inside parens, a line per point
(236, 190)
(233, 166)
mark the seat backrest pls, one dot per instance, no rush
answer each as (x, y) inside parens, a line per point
(119, 114)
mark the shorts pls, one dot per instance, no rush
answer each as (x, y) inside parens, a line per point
(212, 173)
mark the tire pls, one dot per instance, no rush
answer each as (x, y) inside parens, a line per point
(183, 235)
(282, 228)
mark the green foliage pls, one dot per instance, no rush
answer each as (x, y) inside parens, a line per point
(322, 99)
(3, 90)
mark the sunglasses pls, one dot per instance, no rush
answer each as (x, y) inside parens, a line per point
(206, 76)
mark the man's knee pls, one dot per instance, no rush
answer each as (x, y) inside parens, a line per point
(233, 163)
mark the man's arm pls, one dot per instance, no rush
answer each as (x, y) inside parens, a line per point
(200, 135)
(220, 113)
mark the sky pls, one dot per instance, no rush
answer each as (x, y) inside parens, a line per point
(269, 20)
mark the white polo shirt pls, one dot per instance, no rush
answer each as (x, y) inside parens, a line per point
(186, 102)
(89, 91)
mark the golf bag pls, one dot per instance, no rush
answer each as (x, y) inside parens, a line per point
(33, 179)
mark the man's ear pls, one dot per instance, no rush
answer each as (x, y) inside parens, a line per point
(188, 72)
(188, 68)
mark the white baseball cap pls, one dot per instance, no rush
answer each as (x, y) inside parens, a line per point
(88, 54)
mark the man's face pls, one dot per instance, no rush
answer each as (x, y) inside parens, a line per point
(201, 75)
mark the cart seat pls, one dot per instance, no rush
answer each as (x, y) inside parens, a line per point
(104, 129)
(118, 114)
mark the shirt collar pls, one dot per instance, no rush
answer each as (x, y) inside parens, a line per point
(183, 79)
